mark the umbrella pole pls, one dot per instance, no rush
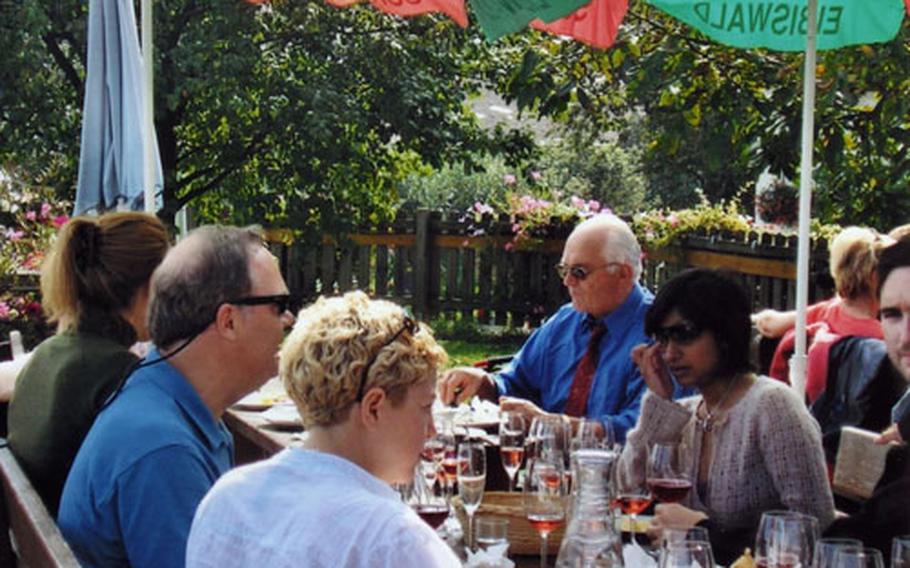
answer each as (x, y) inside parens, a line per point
(148, 66)
(798, 361)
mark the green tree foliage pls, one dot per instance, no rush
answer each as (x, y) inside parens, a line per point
(713, 117)
(296, 111)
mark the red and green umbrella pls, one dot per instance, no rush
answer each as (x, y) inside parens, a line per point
(783, 25)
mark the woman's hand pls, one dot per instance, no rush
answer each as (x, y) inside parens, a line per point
(524, 407)
(653, 370)
(891, 434)
(673, 516)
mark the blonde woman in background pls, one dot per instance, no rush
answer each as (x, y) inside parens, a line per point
(363, 376)
(853, 311)
(95, 286)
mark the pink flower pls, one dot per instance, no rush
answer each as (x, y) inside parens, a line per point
(482, 208)
(673, 219)
(509, 179)
(45, 210)
(60, 220)
(31, 215)
(15, 235)
(577, 202)
(594, 205)
(4, 311)
(536, 176)
(509, 246)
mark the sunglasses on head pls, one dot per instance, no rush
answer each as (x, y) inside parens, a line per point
(407, 324)
(579, 272)
(281, 301)
(681, 334)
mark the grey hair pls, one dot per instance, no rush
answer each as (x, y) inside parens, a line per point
(622, 246)
(186, 294)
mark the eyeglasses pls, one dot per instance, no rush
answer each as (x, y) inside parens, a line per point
(281, 301)
(407, 324)
(681, 334)
(578, 271)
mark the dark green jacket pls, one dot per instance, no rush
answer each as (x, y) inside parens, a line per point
(58, 394)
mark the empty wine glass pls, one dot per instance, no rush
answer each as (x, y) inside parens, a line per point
(511, 444)
(826, 549)
(784, 539)
(593, 435)
(544, 496)
(431, 460)
(900, 552)
(687, 554)
(858, 558)
(472, 476)
(665, 477)
(672, 535)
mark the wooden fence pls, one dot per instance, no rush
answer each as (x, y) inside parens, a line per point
(441, 266)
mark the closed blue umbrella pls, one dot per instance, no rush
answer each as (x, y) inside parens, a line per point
(112, 155)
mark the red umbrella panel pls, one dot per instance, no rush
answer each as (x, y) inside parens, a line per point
(454, 9)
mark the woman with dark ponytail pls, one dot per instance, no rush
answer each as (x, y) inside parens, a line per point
(95, 286)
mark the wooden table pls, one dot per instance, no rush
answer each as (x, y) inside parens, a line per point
(255, 439)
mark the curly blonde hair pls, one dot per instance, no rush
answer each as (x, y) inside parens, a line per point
(853, 261)
(323, 358)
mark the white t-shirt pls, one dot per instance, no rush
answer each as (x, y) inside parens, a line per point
(308, 508)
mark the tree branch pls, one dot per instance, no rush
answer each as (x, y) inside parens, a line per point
(72, 76)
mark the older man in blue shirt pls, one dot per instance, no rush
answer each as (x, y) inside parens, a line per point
(600, 267)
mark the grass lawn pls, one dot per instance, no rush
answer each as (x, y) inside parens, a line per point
(464, 352)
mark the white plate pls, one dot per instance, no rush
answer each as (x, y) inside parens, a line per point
(267, 396)
(283, 416)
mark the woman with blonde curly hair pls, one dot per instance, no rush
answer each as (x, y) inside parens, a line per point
(853, 311)
(362, 374)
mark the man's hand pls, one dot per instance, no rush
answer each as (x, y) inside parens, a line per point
(653, 370)
(891, 434)
(524, 407)
(461, 383)
(673, 516)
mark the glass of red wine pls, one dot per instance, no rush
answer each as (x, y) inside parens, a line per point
(511, 444)
(544, 496)
(432, 508)
(666, 479)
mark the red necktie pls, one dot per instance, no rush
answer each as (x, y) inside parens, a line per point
(577, 403)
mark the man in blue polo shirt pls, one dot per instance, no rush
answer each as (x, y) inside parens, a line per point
(578, 363)
(217, 315)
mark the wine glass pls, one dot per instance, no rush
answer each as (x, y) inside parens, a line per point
(492, 532)
(687, 554)
(472, 476)
(431, 459)
(511, 444)
(449, 463)
(672, 535)
(858, 558)
(666, 479)
(432, 508)
(784, 539)
(594, 435)
(826, 549)
(544, 496)
(900, 552)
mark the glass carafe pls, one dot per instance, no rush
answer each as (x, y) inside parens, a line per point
(591, 540)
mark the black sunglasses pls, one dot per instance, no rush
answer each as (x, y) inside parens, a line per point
(282, 301)
(681, 334)
(408, 325)
(579, 272)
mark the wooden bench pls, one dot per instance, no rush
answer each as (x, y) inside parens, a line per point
(29, 537)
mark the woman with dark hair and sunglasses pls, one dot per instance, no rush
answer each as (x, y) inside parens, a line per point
(746, 442)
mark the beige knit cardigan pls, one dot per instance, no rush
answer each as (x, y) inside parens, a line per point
(767, 455)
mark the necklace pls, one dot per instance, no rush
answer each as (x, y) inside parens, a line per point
(708, 422)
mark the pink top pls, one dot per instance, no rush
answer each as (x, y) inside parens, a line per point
(826, 323)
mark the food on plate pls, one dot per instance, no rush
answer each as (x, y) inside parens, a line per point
(744, 561)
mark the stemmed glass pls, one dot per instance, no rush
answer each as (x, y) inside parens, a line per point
(593, 435)
(666, 479)
(544, 496)
(472, 476)
(785, 539)
(858, 558)
(511, 444)
(900, 552)
(433, 509)
(431, 460)
(687, 554)
(827, 548)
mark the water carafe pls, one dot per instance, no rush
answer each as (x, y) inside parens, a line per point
(591, 540)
